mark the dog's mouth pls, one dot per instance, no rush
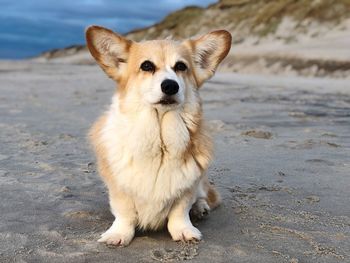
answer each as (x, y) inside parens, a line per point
(167, 101)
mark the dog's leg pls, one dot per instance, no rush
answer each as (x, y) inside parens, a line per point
(200, 209)
(179, 223)
(207, 199)
(123, 228)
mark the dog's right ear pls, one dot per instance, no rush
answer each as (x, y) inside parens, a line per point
(109, 49)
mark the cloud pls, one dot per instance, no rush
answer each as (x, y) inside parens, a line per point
(42, 24)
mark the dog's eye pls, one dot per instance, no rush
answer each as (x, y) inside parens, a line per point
(148, 66)
(180, 66)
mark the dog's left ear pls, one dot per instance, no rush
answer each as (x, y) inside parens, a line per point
(208, 51)
(109, 49)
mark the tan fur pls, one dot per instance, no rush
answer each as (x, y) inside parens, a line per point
(153, 158)
(213, 197)
(100, 150)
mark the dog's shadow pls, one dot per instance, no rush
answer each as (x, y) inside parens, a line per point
(212, 225)
(107, 218)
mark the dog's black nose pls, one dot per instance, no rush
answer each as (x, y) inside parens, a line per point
(169, 87)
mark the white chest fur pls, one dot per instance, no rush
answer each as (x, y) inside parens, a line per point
(146, 156)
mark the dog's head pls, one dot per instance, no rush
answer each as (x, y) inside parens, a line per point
(159, 73)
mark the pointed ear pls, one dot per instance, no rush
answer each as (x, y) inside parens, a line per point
(109, 49)
(208, 51)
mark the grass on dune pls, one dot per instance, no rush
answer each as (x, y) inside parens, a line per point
(260, 17)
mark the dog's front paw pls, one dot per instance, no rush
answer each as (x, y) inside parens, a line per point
(116, 237)
(188, 233)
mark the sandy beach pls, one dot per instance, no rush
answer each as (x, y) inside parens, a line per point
(282, 165)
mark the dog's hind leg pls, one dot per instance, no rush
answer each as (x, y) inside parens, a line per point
(213, 197)
(207, 199)
(200, 209)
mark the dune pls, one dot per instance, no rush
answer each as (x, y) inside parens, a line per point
(290, 38)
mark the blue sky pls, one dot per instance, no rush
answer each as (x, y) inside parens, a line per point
(28, 27)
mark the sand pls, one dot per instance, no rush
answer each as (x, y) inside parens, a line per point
(282, 165)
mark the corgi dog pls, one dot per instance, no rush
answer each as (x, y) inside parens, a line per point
(152, 146)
